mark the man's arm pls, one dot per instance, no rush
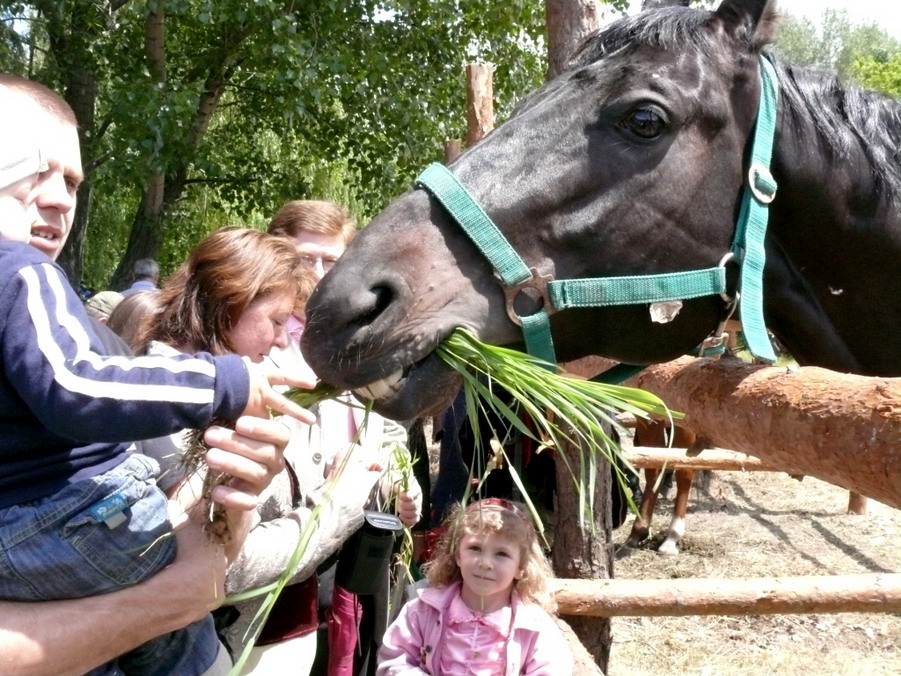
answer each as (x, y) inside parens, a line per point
(58, 638)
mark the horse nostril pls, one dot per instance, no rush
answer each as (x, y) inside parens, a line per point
(382, 296)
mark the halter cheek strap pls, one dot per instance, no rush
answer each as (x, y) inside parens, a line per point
(747, 248)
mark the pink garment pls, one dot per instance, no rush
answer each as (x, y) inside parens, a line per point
(415, 642)
(474, 643)
(294, 326)
(343, 624)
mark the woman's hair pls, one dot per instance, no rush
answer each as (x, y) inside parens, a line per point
(511, 521)
(320, 217)
(131, 316)
(230, 269)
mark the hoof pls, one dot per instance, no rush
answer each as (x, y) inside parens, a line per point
(668, 548)
(637, 537)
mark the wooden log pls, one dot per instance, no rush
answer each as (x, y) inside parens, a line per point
(452, 150)
(568, 22)
(843, 429)
(711, 458)
(874, 593)
(479, 101)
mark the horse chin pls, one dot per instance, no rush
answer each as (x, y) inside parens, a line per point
(423, 389)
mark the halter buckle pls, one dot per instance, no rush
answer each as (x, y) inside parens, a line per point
(761, 183)
(535, 288)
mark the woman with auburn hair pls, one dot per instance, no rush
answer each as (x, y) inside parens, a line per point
(234, 294)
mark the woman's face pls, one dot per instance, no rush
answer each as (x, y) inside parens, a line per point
(262, 326)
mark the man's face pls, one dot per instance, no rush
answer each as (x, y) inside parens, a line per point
(55, 199)
(319, 252)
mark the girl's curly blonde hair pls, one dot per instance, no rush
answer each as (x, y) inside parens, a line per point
(499, 517)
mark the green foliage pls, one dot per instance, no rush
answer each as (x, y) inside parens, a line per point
(835, 44)
(883, 75)
(341, 100)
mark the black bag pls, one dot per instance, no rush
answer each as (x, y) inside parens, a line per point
(367, 553)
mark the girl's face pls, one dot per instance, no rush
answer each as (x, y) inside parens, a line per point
(262, 326)
(489, 564)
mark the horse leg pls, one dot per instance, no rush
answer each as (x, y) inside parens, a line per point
(641, 527)
(677, 526)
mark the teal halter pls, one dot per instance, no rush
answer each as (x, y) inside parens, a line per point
(747, 249)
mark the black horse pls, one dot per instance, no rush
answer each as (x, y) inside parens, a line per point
(634, 162)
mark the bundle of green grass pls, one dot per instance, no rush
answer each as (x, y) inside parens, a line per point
(563, 409)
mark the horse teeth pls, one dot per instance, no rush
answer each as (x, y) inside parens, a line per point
(381, 388)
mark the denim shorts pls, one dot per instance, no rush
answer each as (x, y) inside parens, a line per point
(69, 545)
(96, 536)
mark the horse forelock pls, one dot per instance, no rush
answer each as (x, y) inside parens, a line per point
(846, 118)
(668, 28)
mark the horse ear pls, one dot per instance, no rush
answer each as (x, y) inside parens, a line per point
(754, 20)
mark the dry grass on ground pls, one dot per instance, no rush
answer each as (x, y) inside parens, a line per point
(758, 525)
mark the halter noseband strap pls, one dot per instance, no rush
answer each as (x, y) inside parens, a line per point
(747, 248)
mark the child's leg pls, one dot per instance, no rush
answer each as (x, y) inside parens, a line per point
(94, 536)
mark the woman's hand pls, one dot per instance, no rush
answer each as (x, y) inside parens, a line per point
(252, 453)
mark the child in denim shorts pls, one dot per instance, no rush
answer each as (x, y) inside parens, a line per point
(80, 512)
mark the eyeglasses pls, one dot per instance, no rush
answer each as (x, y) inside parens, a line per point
(327, 262)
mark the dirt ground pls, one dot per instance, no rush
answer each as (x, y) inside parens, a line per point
(754, 525)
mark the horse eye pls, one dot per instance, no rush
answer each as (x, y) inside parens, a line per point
(644, 122)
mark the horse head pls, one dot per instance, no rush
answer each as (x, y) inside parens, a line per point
(631, 162)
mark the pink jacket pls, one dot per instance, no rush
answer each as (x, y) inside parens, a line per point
(536, 647)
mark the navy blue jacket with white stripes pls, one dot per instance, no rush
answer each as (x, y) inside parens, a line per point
(68, 411)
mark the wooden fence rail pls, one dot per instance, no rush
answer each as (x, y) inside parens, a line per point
(874, 593)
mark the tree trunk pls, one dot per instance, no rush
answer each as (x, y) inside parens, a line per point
(843, 429)
(576, 553)
(164, 190)
(71, 35)
(146, 234)
(480, 101)
(568, 22)
(81, 94)
(584, 553)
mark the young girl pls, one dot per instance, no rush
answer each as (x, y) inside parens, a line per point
(487, 609)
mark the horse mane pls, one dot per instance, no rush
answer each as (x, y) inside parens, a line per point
(666, 27)
(846, 117)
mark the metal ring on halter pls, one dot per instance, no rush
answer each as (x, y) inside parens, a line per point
(537, 285)
(730, 257)
(715, 342)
